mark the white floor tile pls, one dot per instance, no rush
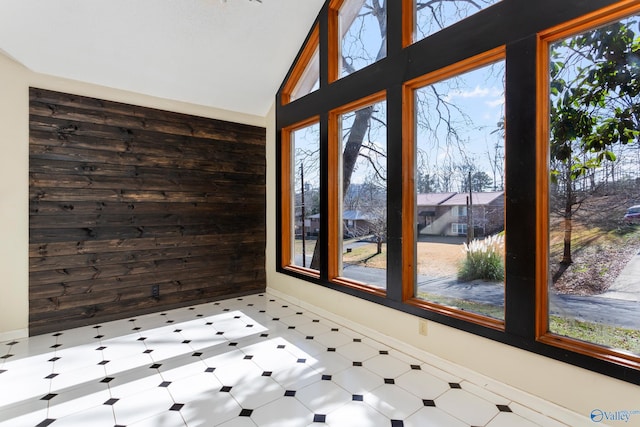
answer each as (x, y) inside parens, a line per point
(392, 401)
(467, 407)
(323, 397)
(244, 362)
(434, 417)
(356, 414)
(284, 412)
(94, 416)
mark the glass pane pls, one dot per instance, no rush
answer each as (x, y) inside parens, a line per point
(309, 80)
(594, 189)
(433, 16)
(364, 194)
(363, 39)
(460, 191)
(306, 196)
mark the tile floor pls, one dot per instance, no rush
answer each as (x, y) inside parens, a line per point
(251, 361)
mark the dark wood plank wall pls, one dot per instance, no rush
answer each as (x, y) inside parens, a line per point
(123, 198)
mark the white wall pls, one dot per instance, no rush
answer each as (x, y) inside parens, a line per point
(15, 81)
(570, 387)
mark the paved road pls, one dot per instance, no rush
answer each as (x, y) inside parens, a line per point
(620, 306)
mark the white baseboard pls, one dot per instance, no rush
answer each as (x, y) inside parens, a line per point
(14, 335)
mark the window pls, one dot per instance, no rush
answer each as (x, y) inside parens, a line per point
(459, 139)
(592, 181)
(301, 214)
(432, 16)
(360, 38)
(448, 173)
(305, 77)
(360, 142)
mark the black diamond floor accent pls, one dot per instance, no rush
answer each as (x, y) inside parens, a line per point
(226, 389)
(57, 334)
(503, 408)
(197, 354)
(267, 373)
(316, 321)
(147, 351)
(220, 333)
(301, 360)
(170, 321)
(309, 337)
(186, 341)
(357, 363)
(397, 423)
(100, 348)
(136, 328)
(99, 336)
(248, 357)
(178, 330)
(389, 381)
(290, 393)
(455, 385)
(104, 362)
(209, 370)
(281, 346)
(246, 413)
(165, 384)
(46, 422)
(334, 329)
(48, 396)
(155, 366)
(264, 335)
(276, 318)
(107, 380)
(209, 323)
(357, 397)
(428, 402)
(53, 359)
(416, 367)
(142, 338)
(233, 344)
(12, 343)
(384, 352)
(357, 340)
(237, 317)
(6, 356)
(50, 376)
(111, 401)
(56, 346)
(249, 326)
(298, 312)
(332, 349)
(326, 377)
(319, 418)
(176, 406)
(291, 327)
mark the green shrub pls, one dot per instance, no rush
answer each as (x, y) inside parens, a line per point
(484, 260)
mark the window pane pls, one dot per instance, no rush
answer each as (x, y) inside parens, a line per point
(364, 195)
(309, 81)
(594, 186)
(433, 16)
(306, 196)
(363, 38)
(460, 191)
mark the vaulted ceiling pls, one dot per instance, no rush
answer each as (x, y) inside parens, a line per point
(228, 54)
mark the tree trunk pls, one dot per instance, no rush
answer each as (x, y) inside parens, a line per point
(568, 217)
(349, 157)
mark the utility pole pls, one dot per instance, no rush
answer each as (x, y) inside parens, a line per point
(304, 251)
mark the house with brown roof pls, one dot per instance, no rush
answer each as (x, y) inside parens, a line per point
(448, 214)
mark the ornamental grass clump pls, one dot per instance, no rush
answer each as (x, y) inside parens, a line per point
(483, 260)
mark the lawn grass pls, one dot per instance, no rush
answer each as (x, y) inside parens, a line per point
(493, 311)
(596, 333)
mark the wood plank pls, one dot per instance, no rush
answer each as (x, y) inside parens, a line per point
(124, 197)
